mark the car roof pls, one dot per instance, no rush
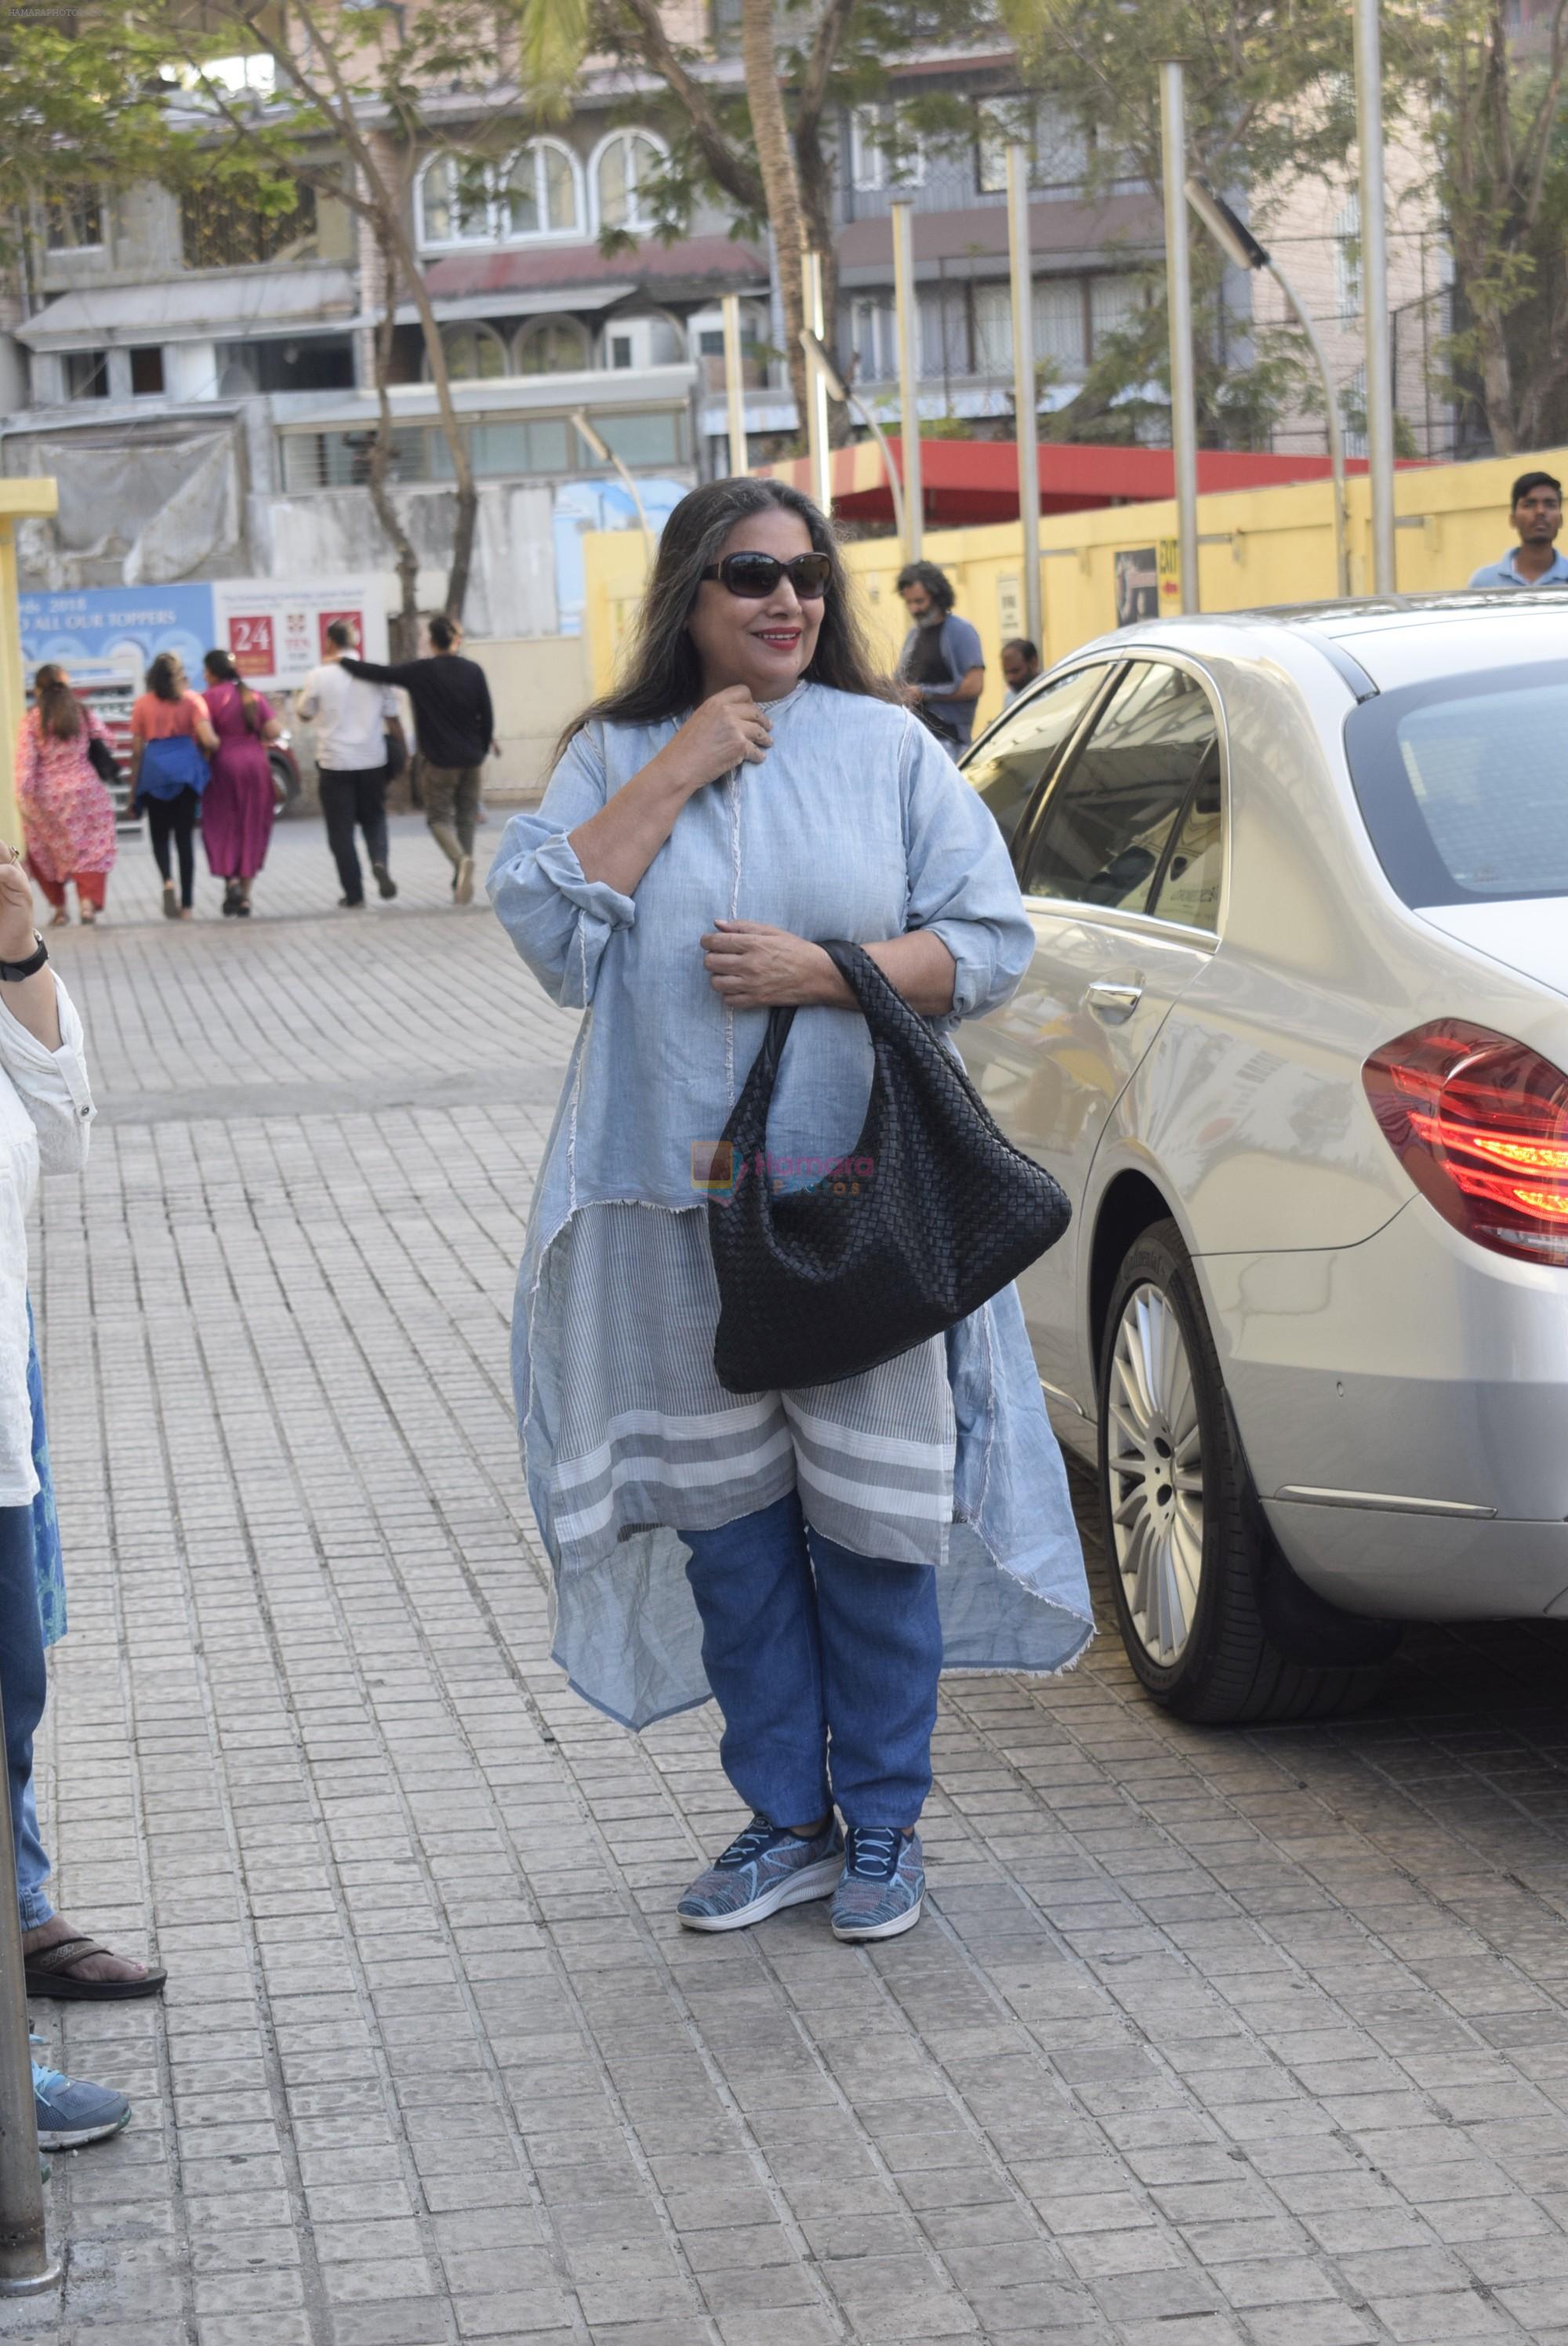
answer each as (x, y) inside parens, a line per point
(1395, 639)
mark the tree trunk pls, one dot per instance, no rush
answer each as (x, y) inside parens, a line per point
(1497, 396)
(405, 625)
(775, 161)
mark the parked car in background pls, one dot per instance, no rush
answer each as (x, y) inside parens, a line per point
(1294, 1041)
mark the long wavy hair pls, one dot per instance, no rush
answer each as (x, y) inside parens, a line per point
(59, 710)
(663, 674)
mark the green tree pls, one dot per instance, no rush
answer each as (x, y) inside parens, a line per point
(1269, 104)
(350, 114)
(1501, 143)
(765, 151)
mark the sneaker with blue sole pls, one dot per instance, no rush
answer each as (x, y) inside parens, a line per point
(764, 1868)
(882, 1886)
(72, 2113)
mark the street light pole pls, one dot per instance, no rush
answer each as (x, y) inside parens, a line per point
(1178, 304)
(1241, 248)
(734, 386)
(1024, 394)
(823, 372)
(603, 455)
(1368, 59)
(906, 320)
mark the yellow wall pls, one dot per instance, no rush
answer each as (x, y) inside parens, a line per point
(17, 498)
(1264, 545)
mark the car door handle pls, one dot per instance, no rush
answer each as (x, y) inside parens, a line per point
(1113, 1003)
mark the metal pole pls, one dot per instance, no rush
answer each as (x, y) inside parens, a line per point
(1369, 57)
(1332, 419)
(906, 318)
(25, 2266)
(1024, 395)
(835, 388)
(1178, 302)
(818, 445)
(734, 387)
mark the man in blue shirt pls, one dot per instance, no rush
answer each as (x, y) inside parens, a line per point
(941, 667)
(1536, 511)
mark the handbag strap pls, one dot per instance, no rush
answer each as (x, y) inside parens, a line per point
(886, 1012)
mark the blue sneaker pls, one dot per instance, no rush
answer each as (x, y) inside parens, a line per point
(70, 2113)
(882, 1886)
(764, 1868)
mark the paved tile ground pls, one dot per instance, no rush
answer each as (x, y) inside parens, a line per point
(1207, 2038)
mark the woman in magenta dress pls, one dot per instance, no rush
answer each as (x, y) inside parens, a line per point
(68, 815)
(240, 802)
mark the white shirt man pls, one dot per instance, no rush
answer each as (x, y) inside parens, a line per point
(351, 720)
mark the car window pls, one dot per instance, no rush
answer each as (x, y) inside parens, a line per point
(1462, 783)
(1188, 889)
(1010, 765)
(1109, 818)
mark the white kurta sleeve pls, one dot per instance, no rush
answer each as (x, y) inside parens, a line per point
(51, 1085)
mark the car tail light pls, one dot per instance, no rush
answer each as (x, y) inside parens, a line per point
(1480, 1123)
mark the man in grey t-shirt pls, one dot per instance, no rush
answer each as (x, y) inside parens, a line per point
(941, 667)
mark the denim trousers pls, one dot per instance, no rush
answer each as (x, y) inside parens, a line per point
(825, 1666)
(24, 1686)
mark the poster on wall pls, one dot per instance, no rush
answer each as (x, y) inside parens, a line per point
(1137, 586)
(107, 635)
(275, 629)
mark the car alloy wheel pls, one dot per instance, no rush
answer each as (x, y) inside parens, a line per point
(1154, 1462)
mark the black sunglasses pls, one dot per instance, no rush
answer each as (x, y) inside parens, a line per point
(753, 576)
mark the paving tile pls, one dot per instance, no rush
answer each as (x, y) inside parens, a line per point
(1208, 2037)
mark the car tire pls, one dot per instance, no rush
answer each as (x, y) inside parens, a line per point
(1215, 1623)
(285, 784)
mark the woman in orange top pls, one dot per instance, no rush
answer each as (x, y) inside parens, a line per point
(171, 739)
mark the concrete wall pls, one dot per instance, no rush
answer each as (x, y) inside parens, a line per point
(335, 534)
(1263, 546)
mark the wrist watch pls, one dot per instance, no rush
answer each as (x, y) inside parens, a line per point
(12, 972)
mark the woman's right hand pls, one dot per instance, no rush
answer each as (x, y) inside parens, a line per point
(730, 730)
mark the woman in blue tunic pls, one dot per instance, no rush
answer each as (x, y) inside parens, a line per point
(813, 1558)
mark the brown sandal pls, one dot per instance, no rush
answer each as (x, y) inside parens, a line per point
(47, 1970)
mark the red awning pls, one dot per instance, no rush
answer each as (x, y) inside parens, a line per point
(968, 482)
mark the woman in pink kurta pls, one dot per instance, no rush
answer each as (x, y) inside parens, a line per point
(240, 802)
(68, 815)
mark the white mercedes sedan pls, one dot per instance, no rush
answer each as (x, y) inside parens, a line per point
(1294, 1041)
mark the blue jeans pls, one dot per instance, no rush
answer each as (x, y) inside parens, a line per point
(825, 1665)
(24, 1686)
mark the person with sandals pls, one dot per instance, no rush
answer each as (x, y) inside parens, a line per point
(171, 741)
(46, 1112)
(238, 807)
(68, 815)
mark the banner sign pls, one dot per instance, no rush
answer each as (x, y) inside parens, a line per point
(104, 635)
(276, 630)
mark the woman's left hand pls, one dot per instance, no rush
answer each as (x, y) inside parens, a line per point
(755, 967)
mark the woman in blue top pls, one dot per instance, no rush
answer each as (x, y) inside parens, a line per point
(750, 789)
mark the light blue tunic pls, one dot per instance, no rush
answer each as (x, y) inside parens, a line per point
(855, 826)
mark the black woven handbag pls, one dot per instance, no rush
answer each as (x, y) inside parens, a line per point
(932, 1213)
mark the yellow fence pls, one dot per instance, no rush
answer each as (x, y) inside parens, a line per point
(1256, 546)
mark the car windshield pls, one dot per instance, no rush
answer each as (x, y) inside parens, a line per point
(1463, 785)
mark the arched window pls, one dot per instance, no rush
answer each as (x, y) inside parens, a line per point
(625, 164)
(456, 201)
(539, 196)
(473, 354)
(552, 346)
